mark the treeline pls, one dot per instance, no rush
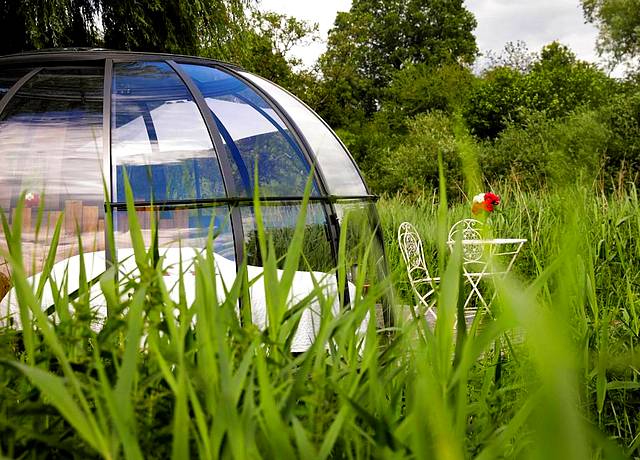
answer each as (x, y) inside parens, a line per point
(548, 122)
(396, 81)
(398, 86)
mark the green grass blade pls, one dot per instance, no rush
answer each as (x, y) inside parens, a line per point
(56, 392)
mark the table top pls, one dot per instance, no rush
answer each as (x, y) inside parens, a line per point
(476, 251)
(494, 241)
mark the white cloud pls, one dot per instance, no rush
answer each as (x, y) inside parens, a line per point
(537, 23)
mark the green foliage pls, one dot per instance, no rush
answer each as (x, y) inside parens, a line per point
(30, 24)
(413, 166)
(174, 26)
(537, 151)
(375, 39)
(564, 83)
(542, 150)
(495, 100)
(284, 32)
(622, 117)
(557, 84)
(420, 88)
(367, 141)
(229, 30)
(266, 42)
(619, 24)
(544, 123)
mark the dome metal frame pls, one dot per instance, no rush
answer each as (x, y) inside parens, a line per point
(40, 60)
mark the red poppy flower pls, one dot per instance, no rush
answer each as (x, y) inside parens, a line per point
(492, 198)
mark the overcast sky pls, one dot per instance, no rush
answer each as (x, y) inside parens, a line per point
(536, 22)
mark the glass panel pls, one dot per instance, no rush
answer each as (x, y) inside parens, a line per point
(363, 248)
(280, 222)
(159, 137)
(8, 77)
(253, 134)
(182, 233)
(178, 228)
(339, 171)
(315, 266)
(51, 148)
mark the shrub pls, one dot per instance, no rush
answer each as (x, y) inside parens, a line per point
(413, 166)
(622, 117)
(557, 84)
(544, 149)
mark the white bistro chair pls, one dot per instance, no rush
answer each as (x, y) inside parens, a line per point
(474, 264)
(422, 283)
(483, 256)
(468, 230)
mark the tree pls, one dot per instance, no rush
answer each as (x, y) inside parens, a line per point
(210, 27)
(556, 84)
(214, 27)
(377, 38)
(420, 88)
(619, 24)
(515, 55)
(621, 115)
(284, 32)
(34, 24)
(562, 82)
(268, 43)
(229, 30)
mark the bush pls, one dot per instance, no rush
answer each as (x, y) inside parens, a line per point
(496, 100)
(413, 166)
(546, 150)
(622, 117)
(557, 84)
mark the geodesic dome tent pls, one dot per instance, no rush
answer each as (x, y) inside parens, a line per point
(190, 134)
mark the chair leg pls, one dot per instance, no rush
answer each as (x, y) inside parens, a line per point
(475, 291)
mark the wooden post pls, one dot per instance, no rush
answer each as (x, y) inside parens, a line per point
(72, 215)
(89, 219)
(50, 220)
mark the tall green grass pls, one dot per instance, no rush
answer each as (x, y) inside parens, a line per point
(575, 292)
(166, 379)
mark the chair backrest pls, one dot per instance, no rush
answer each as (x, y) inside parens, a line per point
(412, 252)
(468, 229)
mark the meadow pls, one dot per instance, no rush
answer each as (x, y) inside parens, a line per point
(166, 379)
(550, 373)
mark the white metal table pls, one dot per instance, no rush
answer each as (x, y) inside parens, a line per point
(486, 258)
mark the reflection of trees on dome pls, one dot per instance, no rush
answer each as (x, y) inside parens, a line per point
(280, 170)
(279, 223)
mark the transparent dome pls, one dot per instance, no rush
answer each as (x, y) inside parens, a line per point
(194, 137)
